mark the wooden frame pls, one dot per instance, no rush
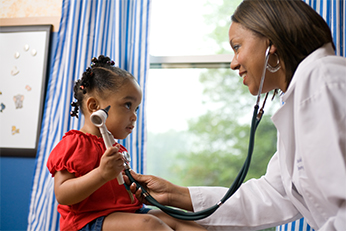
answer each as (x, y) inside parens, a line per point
(24, 52)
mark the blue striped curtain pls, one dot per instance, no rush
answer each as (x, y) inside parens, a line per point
(334, 13)
(118, 29)
(298, 225)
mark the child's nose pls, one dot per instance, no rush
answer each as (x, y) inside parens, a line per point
(134, 116)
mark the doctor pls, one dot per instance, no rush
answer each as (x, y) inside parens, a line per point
(306, 176)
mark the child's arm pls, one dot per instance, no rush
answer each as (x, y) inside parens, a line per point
(71, 190)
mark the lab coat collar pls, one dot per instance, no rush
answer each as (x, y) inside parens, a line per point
(286, 110)
(286, 98)
(325, 50)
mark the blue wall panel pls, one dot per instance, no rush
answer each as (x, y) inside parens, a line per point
(15, 186)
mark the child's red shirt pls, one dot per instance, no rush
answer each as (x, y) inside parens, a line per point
(79, 153)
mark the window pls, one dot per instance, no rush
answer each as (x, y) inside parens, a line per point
(197, 113)
(183, 27)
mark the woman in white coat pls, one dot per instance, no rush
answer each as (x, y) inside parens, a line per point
(306, 176)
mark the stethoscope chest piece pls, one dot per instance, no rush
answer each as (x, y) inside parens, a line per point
(126, 156)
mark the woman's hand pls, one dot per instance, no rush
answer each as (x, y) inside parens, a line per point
(157, 187)
(162, 190)
(111, 163)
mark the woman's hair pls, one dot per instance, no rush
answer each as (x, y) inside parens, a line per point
(100, 78)
(291, 25)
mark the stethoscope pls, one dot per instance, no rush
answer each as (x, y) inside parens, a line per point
(99, 118)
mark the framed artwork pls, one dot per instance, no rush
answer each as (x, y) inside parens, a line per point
(23, 62)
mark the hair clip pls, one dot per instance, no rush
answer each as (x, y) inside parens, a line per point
(110, 62)
(83, 88)
(73, 114)
(94, 61)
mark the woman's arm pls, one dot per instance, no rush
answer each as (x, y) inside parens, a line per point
(244, 209)
(71, 190)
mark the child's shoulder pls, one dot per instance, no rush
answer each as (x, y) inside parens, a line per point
(75, 140)
(86, 137)
(80, 135)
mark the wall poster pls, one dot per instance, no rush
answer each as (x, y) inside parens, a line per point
(23, 62)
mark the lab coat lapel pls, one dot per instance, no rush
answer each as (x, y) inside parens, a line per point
(283, 121)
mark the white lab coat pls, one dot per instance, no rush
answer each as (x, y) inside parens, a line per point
(307, 175)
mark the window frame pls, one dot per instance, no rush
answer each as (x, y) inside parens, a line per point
(193, 61)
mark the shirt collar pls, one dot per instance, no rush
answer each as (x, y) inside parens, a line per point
(326, 50)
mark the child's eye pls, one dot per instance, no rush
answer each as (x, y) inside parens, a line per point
(128, 105)
(236, 48)
(136, 109)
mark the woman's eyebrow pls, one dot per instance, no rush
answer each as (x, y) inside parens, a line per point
(231, 43)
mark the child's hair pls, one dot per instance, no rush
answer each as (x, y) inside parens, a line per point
(100, 77)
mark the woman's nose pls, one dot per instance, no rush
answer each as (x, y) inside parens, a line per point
(234, 65)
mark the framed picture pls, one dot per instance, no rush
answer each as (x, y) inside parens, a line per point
(23, 61)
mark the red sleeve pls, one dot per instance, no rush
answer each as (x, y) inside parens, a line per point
(75, 153)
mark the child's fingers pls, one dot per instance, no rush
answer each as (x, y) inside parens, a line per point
(111, 151)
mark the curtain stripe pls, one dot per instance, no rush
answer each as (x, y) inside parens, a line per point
(118, 29)
(298, 225)
(334, 13)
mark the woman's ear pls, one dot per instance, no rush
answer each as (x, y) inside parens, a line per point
(273, 49)
(92, 105)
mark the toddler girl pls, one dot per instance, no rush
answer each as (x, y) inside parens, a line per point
(85, 172)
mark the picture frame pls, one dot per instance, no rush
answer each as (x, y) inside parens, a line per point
(24, 54)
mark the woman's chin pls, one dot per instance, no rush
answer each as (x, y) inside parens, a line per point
(253, 91)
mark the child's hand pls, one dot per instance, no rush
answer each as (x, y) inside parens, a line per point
(111, 163)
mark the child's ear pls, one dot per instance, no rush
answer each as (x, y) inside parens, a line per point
(92, 105)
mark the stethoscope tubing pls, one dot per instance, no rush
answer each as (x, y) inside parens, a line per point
(183, 215)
